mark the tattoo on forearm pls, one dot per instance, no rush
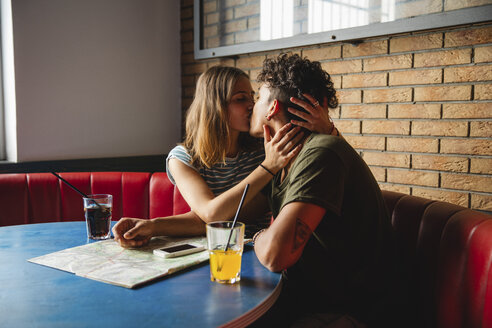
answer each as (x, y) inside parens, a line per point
(301, 234)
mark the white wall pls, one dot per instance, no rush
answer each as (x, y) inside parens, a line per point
(96, 78)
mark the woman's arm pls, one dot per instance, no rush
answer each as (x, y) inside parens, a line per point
(132, 232)
(278, 152)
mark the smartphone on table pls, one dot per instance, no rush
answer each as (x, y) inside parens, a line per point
(178, 250)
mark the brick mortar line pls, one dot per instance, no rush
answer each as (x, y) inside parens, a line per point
(430, 153)
(436, 188)
(393, 54)
(405, 119)
(430, 85)
(407, 136)
(399, 168)
(373, 72)
(458, 191)
(442, 102)
(462, 156)
(417, 153)
(441, 30)
(416, 103)
(480, 45)
(439, 49)
(419, 170)
(413, 69)
(470, 26)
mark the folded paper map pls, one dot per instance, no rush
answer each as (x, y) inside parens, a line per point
(108, 262)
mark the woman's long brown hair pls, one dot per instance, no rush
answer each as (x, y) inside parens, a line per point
(207, 129)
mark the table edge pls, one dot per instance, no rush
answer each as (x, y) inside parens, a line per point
(256, 312)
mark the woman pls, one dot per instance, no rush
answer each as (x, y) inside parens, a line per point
(219, 157)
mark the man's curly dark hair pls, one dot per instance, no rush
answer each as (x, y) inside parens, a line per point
(291, 76)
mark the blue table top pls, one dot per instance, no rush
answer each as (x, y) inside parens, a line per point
(33, 295)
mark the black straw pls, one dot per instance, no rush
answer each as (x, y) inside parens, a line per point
(73, 187)
(237, 214)
(69, 184)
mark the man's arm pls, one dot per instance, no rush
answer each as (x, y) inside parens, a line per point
(281, 245)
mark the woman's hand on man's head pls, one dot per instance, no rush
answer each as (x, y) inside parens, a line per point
(317, 116)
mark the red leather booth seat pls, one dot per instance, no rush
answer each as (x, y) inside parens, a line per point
(41, 197)
(447, 253)
(446, 249)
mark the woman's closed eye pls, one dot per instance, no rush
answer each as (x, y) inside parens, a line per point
(244, 99)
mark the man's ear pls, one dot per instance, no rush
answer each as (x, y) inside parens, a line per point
(273, 110)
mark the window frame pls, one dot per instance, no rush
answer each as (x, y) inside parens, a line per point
(3, 139)
(419, 23)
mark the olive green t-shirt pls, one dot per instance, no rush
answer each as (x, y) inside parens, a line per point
(345, 264)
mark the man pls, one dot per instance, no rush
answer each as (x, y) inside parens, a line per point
(331, 235)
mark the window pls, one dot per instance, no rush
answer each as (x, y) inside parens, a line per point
(235, 27)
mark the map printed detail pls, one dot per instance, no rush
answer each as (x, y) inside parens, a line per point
(108, 262)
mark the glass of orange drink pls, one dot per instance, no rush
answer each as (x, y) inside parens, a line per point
(225, 264)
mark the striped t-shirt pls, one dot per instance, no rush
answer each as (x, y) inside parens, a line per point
(220, 177)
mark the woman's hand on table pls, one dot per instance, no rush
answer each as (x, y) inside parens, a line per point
(130, 232)
(317, 116)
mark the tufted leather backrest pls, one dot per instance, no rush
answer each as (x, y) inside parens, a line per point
(41, 197)
(446, 249)
(447, 255)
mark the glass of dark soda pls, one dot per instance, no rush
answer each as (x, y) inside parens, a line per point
(97, 210)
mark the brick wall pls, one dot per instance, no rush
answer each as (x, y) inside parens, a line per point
(417, 106)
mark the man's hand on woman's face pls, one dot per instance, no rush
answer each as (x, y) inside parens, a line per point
(317, 116)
